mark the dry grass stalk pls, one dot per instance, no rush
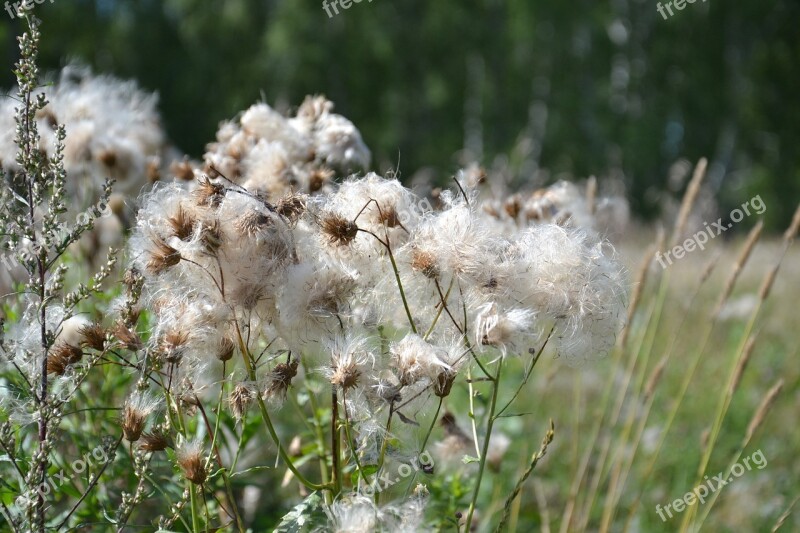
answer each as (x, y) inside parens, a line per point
(741, 260)
(763, 410)
(591, 194)
(788, 237)
(742, 364)
(689, 199)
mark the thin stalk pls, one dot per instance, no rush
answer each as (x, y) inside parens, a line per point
(193, 504)
(484, 452)
(350, 442)
(335, 441)
(251, 372)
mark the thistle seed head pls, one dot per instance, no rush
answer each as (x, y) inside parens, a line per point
(61, 356)
(338, 229)
(162, 256)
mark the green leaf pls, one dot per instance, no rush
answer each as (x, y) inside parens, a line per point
(467, 459)
(303, 516)
(367, 471)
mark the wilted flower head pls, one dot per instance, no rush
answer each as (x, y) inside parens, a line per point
(413, 358)
(190, 458)
(350, 358)
(239, 399)
(502, 330)
(137, 408)
(280, 379)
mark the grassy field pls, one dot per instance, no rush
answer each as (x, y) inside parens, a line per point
(574, 399)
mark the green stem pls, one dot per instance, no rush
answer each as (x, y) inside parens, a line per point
(193, 503)
(484, 452)
(251, 372)
(336, 470)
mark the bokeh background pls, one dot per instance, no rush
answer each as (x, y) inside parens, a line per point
(556, 89)
(535, 91)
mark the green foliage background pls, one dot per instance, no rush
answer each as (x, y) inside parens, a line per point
(626, 92)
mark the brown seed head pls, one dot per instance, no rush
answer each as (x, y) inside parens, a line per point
(211, 236)
(155, 441)
(208, 193)
(162, 257)
(251, 223)
(93, 336)
(424, 262)
(513, 206)
(389, 217)
(173, 344)
(108, 158)
(190, 459)
(127, 338)
(292, 206)
(226, 348)
(134, 415)
(345, 374)
(182, 170)
(338, 229)
(153, 170)
(61, 356)
(280, 379)
(444, 383)
(239, 399)
(182, 224)
(318, 179)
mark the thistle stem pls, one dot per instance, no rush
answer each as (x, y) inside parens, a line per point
(484, 452)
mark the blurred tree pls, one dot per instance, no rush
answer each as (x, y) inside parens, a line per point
(579, 87)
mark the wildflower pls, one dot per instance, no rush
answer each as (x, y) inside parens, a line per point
(251, 223)
(280, 379)
(338, 229)
(210, 236)
(182, 224)
(174, 343)
(137, 408)
(292, 206)
(155, 441)
(61, 356)
(349, 360)
(162, 256)
(353, 514)
(425, 262)
(413, 358)
(93, 336)
(208, 193)
(225, 350)
(126, 337)
(239, 399)
(190, 460)
(502, 330)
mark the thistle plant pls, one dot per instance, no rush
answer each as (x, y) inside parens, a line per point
(359, 306)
